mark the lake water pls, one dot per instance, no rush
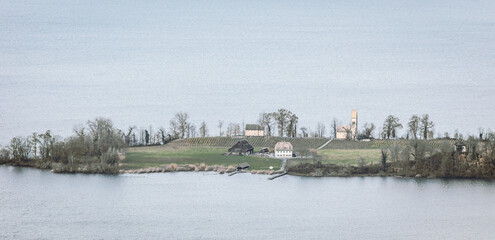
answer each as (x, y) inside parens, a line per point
(64, 62)
(39, 204)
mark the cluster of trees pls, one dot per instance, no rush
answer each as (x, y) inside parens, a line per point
(135, 136)
(418, 158)
(418, 127)
(283, 119)
(283, 123)
(447, 161)
(98, 145)
(179, 127)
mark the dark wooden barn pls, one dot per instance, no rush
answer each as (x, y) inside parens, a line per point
(242, 148)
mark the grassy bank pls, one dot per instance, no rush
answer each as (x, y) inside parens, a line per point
(343, 157)
(144, 157)
(257, 142)
(340, 156)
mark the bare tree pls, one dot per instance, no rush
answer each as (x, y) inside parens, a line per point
(369, 128)
(104, 135)
(426, 126)
(20, 148)
(384, 159)
(334, 127)
(243, 129)
(395, 152)
(413, 125)
(34, 141)
(348, 133)
(45, 141)
(391, 126)
(419, 151)
(152, 140)
(203, 129)
(229, 130)
(127, 137)
(147, 136)
(481, 131)
(179, 124)
(220, 125)
(233, 129)
(174, 129)
(292, 125)
(162, 134)
(320, 130)
(265, 120)
(304, 132)
(237, 129)
(142, 137)
(190, 130)
(282, 119)
(193, 131)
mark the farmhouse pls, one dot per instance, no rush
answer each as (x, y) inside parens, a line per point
(254, 130)
(283, 150)
(241, 148)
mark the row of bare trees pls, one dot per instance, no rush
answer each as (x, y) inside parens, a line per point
(179, 127)
(418, 127)
(283, 121)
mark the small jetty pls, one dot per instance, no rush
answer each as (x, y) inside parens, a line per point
(240, 168)
(280, 175)
(282, 168)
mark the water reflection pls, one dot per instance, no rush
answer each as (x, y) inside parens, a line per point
(244, 206)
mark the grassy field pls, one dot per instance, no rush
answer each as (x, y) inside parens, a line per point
(257, 142)
(382, 143)
(338, 156)
(209, 150)
(143, 157)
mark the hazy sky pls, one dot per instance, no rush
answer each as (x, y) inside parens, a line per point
(139, 62)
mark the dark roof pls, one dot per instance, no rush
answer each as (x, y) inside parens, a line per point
(254, 127)
(241, 146)
(243, 165)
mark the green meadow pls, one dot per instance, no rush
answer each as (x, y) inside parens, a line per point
(343, 156)
(154, 156)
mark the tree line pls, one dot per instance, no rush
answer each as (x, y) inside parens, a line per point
(476, 161)
(283, 123)
(417, 159)
(96, 147)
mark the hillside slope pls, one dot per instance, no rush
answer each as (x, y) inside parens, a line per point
(257, 142)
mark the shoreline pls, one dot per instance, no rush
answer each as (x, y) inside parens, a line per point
(220, 169)
(225, 170)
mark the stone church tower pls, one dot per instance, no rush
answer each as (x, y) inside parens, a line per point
(354, 124)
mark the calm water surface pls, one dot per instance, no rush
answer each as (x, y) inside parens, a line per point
(63, 62)
(39, 204)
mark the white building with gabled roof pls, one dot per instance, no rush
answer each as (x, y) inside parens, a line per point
(283, 150)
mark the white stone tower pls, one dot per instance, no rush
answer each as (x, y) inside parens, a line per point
(354, 123)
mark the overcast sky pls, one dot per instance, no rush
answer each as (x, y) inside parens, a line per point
(64, 62)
